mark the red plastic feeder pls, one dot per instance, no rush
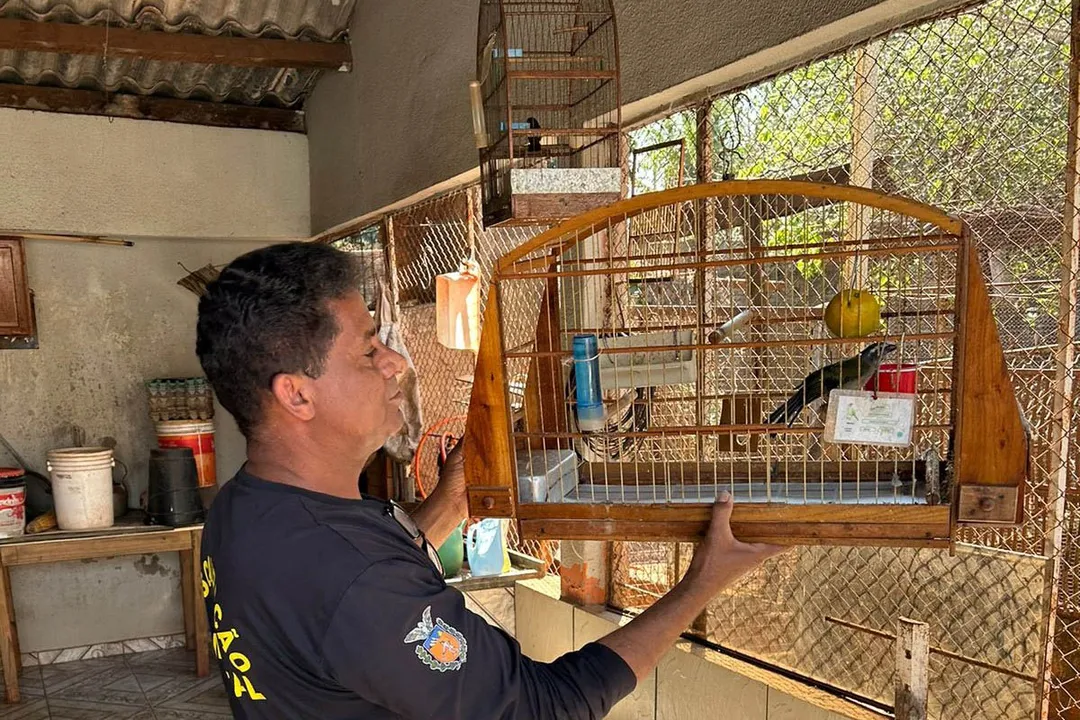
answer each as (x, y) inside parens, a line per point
(893, 378)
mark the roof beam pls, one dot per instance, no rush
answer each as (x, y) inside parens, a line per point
(173, 46)
(148, 107)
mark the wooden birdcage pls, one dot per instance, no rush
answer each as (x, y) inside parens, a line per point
(700, 350)
(547, 109)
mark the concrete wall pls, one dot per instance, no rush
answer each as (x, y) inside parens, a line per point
(110, 318)
(691, 683)
(73, 173)
(400, 121)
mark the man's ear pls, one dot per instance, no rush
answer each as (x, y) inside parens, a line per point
(294, 394)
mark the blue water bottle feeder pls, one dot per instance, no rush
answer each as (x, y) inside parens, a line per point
(590, 402)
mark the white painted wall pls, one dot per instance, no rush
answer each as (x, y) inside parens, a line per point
(110, 318)
(77, 173)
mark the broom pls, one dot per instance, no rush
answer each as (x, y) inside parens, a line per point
(197, 280)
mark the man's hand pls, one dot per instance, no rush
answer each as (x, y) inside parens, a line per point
(452, 478)
(721, 559)
(448, 504)
(718, 561)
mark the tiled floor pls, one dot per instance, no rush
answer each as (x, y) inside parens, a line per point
(143, 686)
(160, 685)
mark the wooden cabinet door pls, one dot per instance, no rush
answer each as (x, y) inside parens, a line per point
(15, 316)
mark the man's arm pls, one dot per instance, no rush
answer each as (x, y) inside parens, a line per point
(403, 640)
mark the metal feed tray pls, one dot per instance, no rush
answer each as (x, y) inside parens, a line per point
(546, 475)
(648, 368)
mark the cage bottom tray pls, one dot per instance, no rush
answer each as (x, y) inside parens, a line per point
(880, 492)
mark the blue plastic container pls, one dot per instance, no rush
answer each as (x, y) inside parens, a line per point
(590, 402)
(485, 547)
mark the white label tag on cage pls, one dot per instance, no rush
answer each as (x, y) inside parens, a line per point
(858, 417)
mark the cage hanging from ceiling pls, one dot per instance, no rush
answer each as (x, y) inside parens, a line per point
(546, 109)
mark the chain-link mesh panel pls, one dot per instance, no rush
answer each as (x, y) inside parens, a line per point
(428, 239)
(968, 112)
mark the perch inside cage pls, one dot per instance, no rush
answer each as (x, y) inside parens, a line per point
(546, 109)
(722, 368)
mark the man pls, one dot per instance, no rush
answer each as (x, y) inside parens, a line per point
(326, 604)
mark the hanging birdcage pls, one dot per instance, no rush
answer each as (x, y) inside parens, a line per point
(546, 109)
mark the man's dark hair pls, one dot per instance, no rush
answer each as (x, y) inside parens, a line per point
(268, 313)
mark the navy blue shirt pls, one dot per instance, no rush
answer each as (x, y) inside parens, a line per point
(322, 607)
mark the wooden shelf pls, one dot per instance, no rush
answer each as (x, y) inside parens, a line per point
(582, 132)
(561, 74)
(132, 522)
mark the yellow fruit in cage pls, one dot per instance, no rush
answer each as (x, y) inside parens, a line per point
(853, 313)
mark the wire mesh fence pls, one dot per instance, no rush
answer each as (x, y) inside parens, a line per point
(968, 112)
(408, 249)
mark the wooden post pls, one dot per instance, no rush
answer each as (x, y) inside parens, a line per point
(702, 227)
(401, 483)
(864, 126)
(1061, 419)
(190, 593)
(545, 392)
(8, 640)
(705, 217)
(912, 669)
(202, 630)
(391, 261)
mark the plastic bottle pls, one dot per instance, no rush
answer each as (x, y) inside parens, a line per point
(590, 402)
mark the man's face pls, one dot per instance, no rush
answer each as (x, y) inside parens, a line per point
(357, 395)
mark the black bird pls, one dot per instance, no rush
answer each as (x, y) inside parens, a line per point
(534, 140)
(850, 374)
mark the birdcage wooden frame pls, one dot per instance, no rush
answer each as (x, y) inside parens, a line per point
(987, 461)
(548, 109)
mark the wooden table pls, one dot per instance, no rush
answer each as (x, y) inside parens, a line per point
(128, 537)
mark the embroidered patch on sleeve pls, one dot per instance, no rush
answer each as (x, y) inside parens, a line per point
(441, 647)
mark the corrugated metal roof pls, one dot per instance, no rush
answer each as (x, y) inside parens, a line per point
(277, 87)
(291, 19)
(318, 20)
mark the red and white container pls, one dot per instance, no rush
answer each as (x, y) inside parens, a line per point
(12, 502)
(197, 435)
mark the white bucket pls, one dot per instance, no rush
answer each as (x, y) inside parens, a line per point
(82, 487)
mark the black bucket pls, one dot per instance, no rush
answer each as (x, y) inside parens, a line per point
(172, 497)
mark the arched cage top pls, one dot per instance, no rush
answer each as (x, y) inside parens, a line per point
(732, 201)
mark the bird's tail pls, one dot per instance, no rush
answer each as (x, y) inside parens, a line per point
(788, 412)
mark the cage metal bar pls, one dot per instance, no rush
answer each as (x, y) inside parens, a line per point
(743, 345)
(710, 264)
